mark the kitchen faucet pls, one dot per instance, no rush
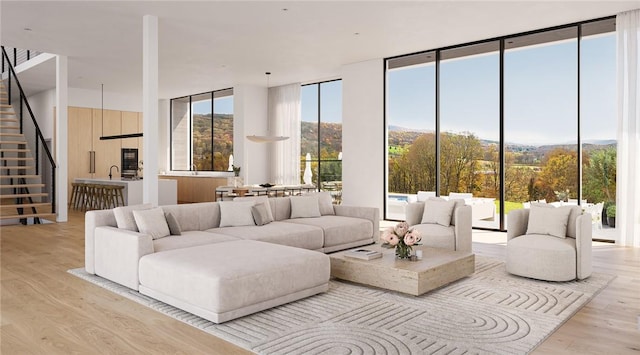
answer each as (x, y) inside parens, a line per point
(113, 166)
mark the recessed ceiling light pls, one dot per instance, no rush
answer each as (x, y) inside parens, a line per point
(28, 29)
(285, 9)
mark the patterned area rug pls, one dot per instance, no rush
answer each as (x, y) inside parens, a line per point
(488, 312)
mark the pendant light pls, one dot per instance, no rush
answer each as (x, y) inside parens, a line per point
(267, 138)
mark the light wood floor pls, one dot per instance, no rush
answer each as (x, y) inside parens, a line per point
(45, 310)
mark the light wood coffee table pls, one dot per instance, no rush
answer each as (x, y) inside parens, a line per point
(437, 268)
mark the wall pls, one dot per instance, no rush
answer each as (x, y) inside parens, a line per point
(363, 134)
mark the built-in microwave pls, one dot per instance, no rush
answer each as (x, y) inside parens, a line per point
(129, 162)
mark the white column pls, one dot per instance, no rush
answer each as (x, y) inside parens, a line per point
(62, 97)
(363, 164)
(150, 108)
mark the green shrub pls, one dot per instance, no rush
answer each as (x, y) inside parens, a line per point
(611, 211)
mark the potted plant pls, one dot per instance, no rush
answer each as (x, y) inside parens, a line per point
(611, 216)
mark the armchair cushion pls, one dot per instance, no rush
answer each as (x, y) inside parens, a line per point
(549, 221)
(438, 211)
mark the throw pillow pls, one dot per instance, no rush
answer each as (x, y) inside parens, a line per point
(172, 222)
(260, 215)
(124, 216)
(236, 213)
(152, 222)
(548, 220)
(305, 207)
(438, 211)
(325, 202)
(257, 200)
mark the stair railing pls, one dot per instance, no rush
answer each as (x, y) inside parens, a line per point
(39, 138)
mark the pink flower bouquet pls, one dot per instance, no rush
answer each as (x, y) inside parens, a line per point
(402, 238)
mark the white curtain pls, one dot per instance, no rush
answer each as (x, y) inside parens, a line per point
(628, 164)
(285, 115)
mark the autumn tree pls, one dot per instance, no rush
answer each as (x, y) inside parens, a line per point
(599, 182)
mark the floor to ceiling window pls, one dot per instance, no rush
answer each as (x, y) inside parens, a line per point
(470, 128)
(411, 126)
(202, 131)
(516, 119)
(541, 117)
(321, 136)
(598, 122)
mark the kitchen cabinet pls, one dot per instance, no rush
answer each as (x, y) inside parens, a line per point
(85, 127)
(196, 188)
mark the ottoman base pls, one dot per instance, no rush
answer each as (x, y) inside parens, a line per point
(223, 281)
(237, 313)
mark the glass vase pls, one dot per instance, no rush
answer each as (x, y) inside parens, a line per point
(403, 251)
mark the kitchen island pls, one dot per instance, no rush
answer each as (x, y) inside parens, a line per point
(167, 189)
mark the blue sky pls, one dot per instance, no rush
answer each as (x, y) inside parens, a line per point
(222, 105)
(540, 94)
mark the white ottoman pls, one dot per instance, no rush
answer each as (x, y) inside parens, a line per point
(224, 281)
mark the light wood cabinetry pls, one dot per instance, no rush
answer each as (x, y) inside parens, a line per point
(196, 188)
(85, 127)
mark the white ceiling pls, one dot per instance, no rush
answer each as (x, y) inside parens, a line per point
(210, 45)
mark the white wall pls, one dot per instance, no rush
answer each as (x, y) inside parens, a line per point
(42, 105)
(112, 100)
(163, 134)
(363, 134)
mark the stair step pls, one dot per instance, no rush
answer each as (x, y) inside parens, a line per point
(19, 176)
(14, 150)
(9, 120)
(16, 167)
(16, 159)
(10, 206)
(11, 135)
(5, 106)
(48, 216)
(9, 127)
(33, 194)
(13, 142)
(17, 186)
(7, 113)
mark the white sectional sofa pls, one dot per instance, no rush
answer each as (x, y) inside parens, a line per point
(199, 269)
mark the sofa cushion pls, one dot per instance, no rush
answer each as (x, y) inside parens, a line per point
(438, 211)
(152, 222)
(189, 239)
(260, 214)
(548, 220)
(437, 236)
(281, 207)
(295, 235)
(338, 229)
(124, 216)
(258, 200)
(235, 214)
(195, 216)
(172, 222)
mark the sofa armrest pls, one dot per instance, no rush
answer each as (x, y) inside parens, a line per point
(462, 228)
(583, 246)
(117, 253)
(370, 213)
(93, 219)
(414, 212)
(517, 222)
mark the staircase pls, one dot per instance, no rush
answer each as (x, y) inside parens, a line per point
(21, 196)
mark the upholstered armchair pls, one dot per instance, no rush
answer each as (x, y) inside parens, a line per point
(549, 243)
(442, 224)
